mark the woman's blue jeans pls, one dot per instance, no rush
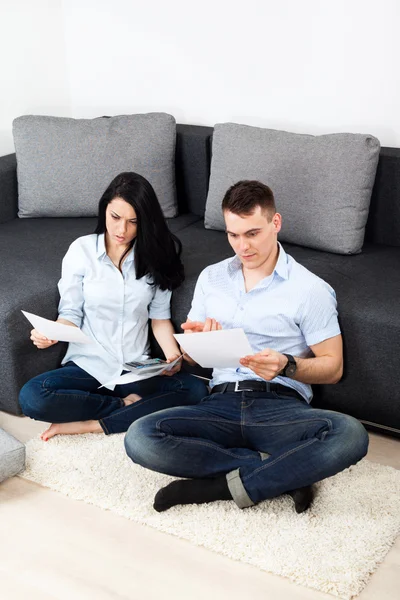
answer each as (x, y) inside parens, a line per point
(266, 444)
(71, 394)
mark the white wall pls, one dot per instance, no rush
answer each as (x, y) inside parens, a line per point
(33, 78)
(310, 66)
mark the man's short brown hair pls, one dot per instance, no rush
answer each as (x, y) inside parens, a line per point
(243, 197)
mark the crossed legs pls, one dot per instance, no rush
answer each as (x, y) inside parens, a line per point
(248, 446)
(71, 400)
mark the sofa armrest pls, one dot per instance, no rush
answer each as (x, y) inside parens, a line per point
(8, 188)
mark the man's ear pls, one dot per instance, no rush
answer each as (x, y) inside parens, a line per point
(277, 222)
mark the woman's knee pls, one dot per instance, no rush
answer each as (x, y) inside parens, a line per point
(32, 399)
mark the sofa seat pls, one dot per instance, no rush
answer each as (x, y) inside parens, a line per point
(367, 286)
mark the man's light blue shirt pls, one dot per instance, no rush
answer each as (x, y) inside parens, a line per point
(111, 307)
(288, 311)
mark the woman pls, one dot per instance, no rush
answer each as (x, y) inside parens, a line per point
(112, 282)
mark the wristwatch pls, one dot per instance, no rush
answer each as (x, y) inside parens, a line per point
(290, 369)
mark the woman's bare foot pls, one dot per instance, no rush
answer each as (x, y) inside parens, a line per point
(71, 428)
(131, 399)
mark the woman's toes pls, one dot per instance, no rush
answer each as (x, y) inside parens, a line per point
(50, 432)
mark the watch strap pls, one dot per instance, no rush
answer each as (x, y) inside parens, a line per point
(291, 362)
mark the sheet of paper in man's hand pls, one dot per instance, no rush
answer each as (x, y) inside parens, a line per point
(216, 349)
(57, 331)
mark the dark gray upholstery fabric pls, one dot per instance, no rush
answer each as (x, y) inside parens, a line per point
(8, 188)
(368, 292)
(383, 225)
(192, 167)
(33, 249)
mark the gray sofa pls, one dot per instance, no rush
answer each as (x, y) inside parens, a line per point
(367, 284)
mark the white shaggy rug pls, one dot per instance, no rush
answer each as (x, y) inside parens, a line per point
(333, 548)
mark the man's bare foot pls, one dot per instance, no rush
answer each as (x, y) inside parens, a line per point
(71, 428)
(131, 399)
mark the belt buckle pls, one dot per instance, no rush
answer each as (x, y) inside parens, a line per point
(238, 389)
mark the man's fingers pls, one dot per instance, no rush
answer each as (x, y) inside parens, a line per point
(258, 359)
(198, 326)
(207, 324)
(192, 326)
(215, 326)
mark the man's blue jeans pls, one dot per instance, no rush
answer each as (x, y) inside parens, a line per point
(233, 433)
(71, 394)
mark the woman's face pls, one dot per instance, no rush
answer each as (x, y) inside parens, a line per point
(121, 222)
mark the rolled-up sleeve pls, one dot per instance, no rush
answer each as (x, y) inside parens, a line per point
(160, 306)
(70, 286)
(319, 321)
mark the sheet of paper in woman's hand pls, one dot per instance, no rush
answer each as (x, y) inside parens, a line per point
(57, 331)
(129, 377)
(216, 349)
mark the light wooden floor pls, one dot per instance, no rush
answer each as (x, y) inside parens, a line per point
(52, 547)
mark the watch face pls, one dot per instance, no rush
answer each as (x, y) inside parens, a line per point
(290, 370)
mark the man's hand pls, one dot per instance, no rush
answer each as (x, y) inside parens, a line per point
(41, 341)
(199, 327)
(266, 364)
(176, 368)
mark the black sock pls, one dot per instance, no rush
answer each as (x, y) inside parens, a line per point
(192, 491)
(302, 498)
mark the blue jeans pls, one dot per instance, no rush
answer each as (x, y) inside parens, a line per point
(71, 394)
(266, 443)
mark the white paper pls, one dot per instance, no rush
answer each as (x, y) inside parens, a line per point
(216, 349)
(130, 377)
(57, 331)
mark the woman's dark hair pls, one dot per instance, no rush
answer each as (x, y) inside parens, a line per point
(157, 250)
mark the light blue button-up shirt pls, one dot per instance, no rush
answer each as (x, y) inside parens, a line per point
(111, 307)
(288, 311)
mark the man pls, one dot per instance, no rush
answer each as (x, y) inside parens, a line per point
(256, 436)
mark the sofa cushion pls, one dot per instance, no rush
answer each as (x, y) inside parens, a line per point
(322, 184)
(64, 165)
(12, 456)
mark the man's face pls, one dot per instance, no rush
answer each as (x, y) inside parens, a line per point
(252, 237)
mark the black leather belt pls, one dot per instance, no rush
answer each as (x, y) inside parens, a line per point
(253, 385)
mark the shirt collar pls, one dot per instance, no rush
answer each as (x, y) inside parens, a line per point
(101, 249)
(280, 269)
(101, 246)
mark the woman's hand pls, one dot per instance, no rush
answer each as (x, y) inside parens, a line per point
(41, 341)
(176, 368)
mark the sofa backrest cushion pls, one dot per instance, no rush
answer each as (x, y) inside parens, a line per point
(64, 165)
(322, 184)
